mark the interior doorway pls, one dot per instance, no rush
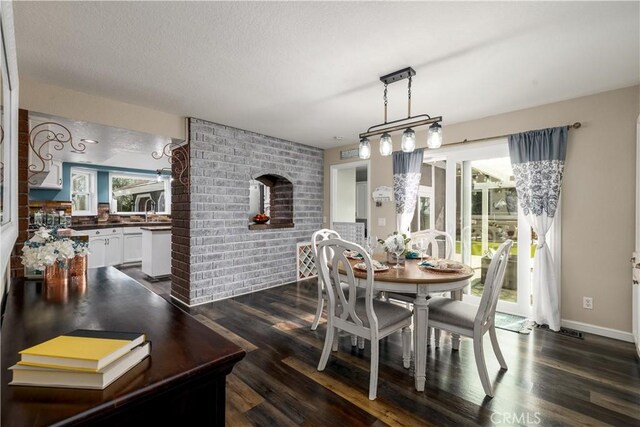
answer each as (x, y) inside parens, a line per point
(350, 189)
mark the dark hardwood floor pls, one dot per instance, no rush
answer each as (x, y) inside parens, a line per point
(552, 379)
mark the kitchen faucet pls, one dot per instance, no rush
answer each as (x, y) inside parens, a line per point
(146, 210)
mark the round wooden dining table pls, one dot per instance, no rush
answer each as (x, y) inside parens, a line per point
(413, 279)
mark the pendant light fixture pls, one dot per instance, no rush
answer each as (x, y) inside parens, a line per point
(364, 150)
(386, 145)
(434, 138)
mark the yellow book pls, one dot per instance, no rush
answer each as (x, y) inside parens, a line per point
(47, 377)
(82, 349)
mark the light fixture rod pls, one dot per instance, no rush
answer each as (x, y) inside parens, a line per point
(409, 98)
(385, 103)
(424, 119)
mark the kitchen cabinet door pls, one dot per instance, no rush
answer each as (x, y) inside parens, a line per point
(113, 252)
(98, 249)
(132, 248)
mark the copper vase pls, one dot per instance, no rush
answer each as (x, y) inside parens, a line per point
(55, 275)
(78, 266)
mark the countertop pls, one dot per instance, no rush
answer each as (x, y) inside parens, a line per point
(164, 228)
(119, 224)
(183, 380)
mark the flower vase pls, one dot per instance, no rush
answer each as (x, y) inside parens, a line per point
(393, 259)
(78, 266)
(56, 275)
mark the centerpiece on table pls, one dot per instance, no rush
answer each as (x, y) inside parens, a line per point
(56, 255)
(396, 246)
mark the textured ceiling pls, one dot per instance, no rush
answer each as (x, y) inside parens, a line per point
(309, 71)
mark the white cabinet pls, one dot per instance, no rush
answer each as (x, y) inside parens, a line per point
(105, 246)
(98, 249)
(48, 179)
(361, 199)
(131, 244)
(113, 254)
(156, 251)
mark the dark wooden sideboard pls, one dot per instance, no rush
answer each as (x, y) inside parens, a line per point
(181, 383)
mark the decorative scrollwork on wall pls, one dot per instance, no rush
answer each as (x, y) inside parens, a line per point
(51, 135)
(178, 156)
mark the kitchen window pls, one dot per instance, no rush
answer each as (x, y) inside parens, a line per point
(139, 193)
(84, 195)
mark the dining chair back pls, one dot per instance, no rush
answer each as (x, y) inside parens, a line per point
(317, 237)
(364, 317)
(467, 320)
(433, 239)
(493, 284)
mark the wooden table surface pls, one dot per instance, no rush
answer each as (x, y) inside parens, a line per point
(183, 379)
(412, 273)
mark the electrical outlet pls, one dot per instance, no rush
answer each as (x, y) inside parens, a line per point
(382, 222)
(587, 302)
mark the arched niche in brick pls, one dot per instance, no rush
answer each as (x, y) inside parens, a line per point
(280, 201)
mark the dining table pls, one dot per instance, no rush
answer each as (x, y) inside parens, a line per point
(411, 278)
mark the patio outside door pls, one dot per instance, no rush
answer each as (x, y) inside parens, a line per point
(482, 212)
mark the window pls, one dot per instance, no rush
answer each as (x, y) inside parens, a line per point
(84, 196)
(139, 193)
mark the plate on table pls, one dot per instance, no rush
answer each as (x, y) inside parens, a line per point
(377, 266)
(443, 266)
(353, 255)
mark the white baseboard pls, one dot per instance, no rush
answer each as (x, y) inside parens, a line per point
(598, 330)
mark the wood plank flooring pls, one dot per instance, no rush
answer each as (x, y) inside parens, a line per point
(552, 379)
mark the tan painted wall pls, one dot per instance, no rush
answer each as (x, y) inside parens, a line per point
(598, 199)
(59, 101)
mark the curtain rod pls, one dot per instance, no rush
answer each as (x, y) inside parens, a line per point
(576, 125)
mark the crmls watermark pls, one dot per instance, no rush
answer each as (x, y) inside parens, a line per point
(516, 418)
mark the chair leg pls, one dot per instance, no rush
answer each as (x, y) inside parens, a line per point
(478, 352)
(316, 319)
(429, 336)
(334, 345)
(496, 348)
(373, 375)
(326, 350)
(436, 337)
(406, 347)
(361, 343)
(354, 340)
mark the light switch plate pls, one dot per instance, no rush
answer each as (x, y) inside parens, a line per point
(382, 222)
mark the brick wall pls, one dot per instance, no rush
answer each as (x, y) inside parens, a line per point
(225, 257)
(180, 227)
(17, 270)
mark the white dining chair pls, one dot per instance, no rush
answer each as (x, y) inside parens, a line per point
(468, 320)
(433, 239)
(317, 237)
(366, 317)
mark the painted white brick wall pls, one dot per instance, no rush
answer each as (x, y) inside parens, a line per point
(227, 258)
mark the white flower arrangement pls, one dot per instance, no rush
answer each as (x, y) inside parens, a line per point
(46, 248)
(395, 243)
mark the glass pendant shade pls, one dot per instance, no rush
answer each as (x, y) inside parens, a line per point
(434, 138)
(364, 149)
(408, 140)
(386, 146)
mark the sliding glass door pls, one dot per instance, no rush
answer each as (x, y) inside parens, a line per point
(482, 212)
